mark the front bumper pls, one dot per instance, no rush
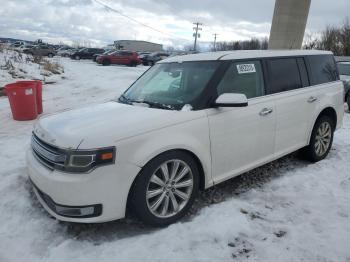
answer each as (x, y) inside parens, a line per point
(94, 197)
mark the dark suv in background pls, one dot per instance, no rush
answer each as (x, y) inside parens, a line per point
(153, 58)
(344, 72)
(86, 53)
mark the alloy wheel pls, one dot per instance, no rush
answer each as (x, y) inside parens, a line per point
(323, 138)
(169, 188)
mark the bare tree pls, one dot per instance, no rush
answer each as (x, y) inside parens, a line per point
(311, 41)
(344, 37)
(330, 40)
(252, 44)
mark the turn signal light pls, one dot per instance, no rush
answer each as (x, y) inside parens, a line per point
(107, 156)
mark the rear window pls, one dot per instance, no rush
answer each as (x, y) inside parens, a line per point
(323, 69)
(283, 75)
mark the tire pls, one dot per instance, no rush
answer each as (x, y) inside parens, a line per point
(318, 150)
(171, 207)
(77, 57)
(50, 55)
(106, 62)
(133, 64)
(348, 101)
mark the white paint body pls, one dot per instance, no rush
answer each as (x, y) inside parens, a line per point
(227, 141)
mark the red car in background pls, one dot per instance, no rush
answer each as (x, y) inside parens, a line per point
(119, 57)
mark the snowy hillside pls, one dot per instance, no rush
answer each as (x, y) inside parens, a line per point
(15, 65)
(288, 210)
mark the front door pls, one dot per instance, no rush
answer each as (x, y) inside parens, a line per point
(242, 138)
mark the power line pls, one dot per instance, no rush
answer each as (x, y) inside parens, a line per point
(107, 7)
(196, 34)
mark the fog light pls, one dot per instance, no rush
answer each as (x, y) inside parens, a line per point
(76, 212)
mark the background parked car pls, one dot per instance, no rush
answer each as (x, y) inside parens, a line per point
(153, 58)
(64, 51)
(120, 57)
(40, 50)
(86, 53)
(344, 72)
(107, 52)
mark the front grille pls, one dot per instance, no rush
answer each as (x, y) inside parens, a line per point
(46, 154)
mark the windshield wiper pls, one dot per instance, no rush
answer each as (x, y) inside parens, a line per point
(153, 104)
(124, 99)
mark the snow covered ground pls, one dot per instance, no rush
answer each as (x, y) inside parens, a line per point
(15, 65)
(288, 210)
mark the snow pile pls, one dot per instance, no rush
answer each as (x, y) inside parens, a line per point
(288, 210)
(15, 65)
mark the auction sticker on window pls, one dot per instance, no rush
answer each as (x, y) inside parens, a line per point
(246, 68)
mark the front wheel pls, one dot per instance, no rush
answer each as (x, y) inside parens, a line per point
(106, 62)
(321, 140)
(77, 57)
(165, 189)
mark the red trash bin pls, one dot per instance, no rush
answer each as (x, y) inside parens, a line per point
(22, 97)
(39, 88)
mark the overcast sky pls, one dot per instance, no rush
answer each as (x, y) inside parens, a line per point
(87, 21)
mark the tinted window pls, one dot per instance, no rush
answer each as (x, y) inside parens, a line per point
(344, 69)
(283, 75)
(125, 53)
(323, 69)
(243, 78)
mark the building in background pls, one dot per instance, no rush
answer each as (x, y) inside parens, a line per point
(135, 45)
(288, 24)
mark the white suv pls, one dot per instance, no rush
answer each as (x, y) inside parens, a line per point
(186, 124)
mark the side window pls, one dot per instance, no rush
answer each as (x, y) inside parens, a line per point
(323, 69)
(283, 75)
(243, 78)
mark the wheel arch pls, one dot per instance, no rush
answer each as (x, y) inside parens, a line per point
(330, 112)
(202, 176)
(327, 111)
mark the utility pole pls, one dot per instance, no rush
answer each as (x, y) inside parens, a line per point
(196, 34)
(215, 35)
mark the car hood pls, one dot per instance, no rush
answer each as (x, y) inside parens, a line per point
(103, 125)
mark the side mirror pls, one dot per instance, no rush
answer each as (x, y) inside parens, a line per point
(231, 100)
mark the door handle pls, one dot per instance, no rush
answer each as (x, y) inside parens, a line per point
(312, 99)
(266, 111)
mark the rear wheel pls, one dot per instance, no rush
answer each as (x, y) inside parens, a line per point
(133, 64)
(321, 139)
(77, 57)
(165, 189)
(50, 55)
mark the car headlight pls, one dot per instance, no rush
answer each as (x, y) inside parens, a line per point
(79, 161)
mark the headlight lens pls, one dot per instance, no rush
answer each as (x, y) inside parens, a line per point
(79, 161)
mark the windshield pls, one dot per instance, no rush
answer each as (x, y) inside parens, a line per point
(344, 69)
(172, 85)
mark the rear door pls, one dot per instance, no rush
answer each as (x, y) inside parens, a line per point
(124, 57)
(242, 137)
(288, 84)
